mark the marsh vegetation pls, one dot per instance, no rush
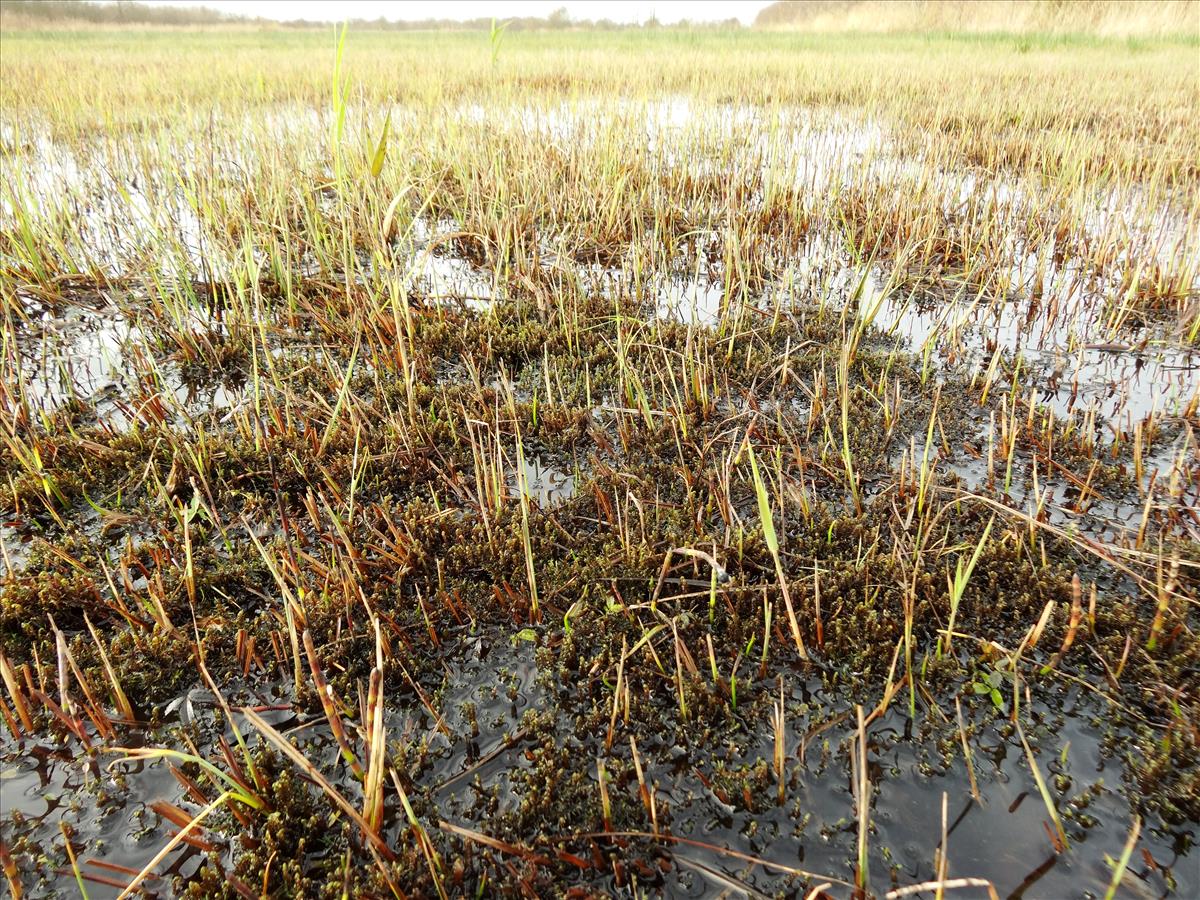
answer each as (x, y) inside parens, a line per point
(643, 463)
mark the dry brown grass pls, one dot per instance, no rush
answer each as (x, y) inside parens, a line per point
(1103, 18)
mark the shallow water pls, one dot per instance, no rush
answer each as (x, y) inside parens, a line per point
(94, 351)
(1077, 367)
(545, 483)
(478, 771)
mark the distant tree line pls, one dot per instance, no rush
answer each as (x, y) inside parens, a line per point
(121, 12)
(126, 12)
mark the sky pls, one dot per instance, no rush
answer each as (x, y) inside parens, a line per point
(667, 11)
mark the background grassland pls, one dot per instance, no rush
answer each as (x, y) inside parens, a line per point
(1120, 104)
(1107, 18)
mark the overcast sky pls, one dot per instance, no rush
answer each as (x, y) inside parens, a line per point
(667, 11)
